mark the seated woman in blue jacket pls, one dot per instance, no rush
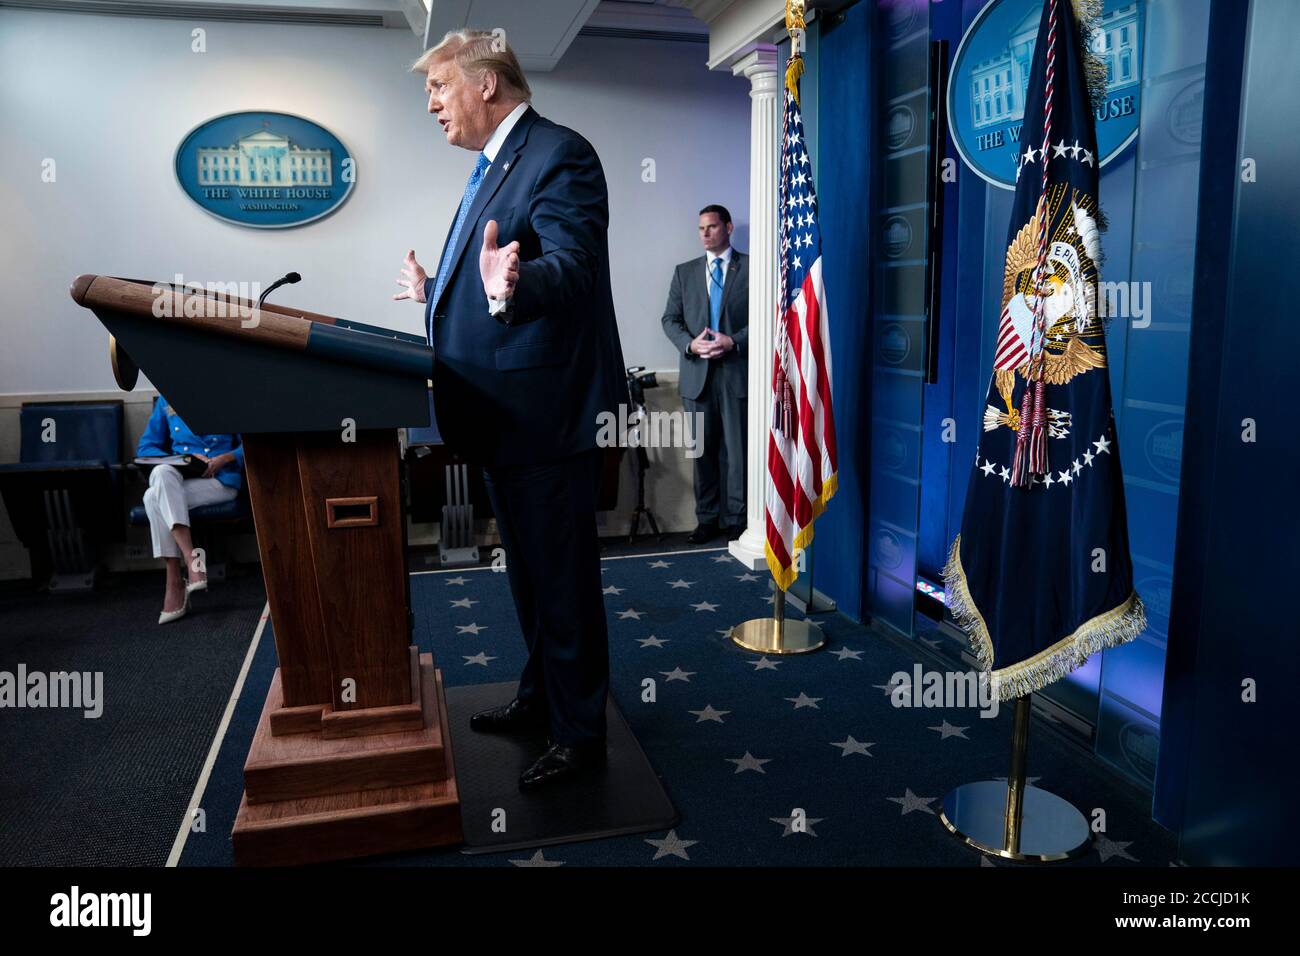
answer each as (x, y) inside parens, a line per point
(171, 496)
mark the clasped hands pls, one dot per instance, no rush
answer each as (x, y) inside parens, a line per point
(215, 464)
(497, 265)
(710, 344)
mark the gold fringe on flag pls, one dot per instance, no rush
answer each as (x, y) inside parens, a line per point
(1109, 629)
(1088, 15)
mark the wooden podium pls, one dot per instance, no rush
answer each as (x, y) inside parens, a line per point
(351, 755)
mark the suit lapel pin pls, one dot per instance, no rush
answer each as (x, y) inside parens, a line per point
(506, 167)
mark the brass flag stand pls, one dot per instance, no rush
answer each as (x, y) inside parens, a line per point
(776, 635)
(1011, 820)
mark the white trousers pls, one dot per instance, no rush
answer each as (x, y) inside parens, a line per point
(168, 501)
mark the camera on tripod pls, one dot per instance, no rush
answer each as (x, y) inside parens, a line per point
(638, 380)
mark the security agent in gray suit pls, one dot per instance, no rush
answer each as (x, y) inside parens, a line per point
(707, 318)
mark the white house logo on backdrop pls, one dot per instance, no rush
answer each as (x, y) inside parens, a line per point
(266, 170)
(990, 81)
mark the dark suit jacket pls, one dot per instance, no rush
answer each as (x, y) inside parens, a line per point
(528, 386)
(687, 314)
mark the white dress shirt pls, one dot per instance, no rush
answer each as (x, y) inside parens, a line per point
(490, 150)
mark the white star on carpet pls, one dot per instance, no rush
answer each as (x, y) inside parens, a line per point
(844, 654)
(705, 606)
(789, 830)
(850, 746)
(613, 590)
(708, 713)
(678, 674)
(464, 602)
(661, 564)
(946, 730)
(480, 658)
(679, 583)
(537, 859)
(722, 558)
(456, 580)
(763, 664)
(746, 577)
(672, 845)
(629, 613)
(803, 700)
(470, 628)
(910, 801)
(749, 762)
(1107, 848)
(651, 641)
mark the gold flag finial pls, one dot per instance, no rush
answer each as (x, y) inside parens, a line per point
(795, 26)
(794, 15)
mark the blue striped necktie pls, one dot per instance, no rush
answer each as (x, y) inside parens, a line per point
(715, 294)
(471, 190)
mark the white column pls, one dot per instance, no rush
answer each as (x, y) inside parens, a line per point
(760, 66)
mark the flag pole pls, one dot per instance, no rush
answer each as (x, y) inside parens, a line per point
(775, 634)
(1012, 820)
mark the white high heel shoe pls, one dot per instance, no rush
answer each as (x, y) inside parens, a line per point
(192, 586)
(166, 617)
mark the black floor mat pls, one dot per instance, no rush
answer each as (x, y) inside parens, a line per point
(112, 790)
(626, 797)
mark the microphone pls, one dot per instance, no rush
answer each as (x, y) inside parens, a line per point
(289, 278)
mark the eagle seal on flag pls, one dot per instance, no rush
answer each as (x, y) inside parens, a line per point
(1040, 576)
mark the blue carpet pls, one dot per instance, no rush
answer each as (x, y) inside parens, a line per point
(741, 744)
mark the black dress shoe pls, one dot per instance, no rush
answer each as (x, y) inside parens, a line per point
(514, 718)
(703, 533)
(562, 763)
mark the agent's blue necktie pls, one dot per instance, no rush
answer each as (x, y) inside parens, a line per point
(715, 294)
(471, 190)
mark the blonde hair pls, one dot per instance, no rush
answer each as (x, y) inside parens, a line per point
(477, 52)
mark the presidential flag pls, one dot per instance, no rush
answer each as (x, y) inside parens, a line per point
(1040, 576)
(801, 444)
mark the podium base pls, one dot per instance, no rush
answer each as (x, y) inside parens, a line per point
(1051, 828)
(317, 799)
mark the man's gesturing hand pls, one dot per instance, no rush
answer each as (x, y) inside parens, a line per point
(412, 279)
(499, 266)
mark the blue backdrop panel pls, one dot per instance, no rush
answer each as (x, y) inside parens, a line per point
(1226, 766)
(843, 90)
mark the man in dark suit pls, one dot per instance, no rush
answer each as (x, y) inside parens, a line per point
(526, 357)
(707, 318)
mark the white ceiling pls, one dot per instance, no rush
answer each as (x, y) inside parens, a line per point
(540, 31)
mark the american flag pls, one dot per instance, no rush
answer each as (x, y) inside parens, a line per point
(801, 446)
